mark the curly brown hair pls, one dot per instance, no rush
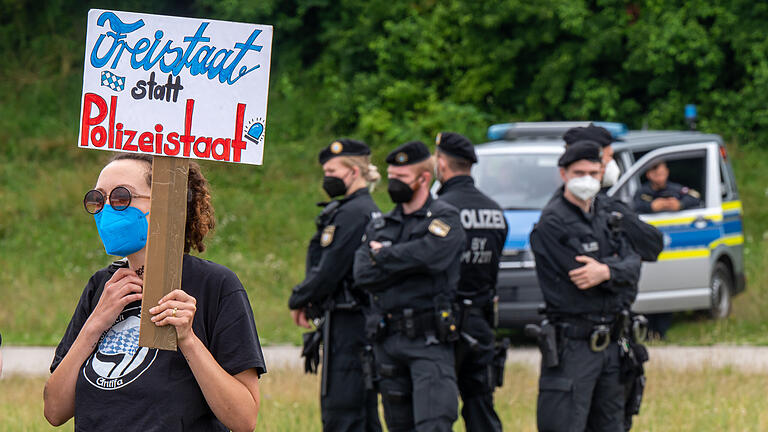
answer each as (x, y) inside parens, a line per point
(200, 215)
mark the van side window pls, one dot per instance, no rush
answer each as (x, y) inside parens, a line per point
(671, 184)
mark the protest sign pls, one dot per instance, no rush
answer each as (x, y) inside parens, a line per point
(179, 87)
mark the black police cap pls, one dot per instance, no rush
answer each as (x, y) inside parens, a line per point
(590, 133)
(409, 153)
(343, 147)
(456, 145)
(580, 150)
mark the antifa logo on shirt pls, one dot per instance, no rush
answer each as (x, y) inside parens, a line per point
(119, 359)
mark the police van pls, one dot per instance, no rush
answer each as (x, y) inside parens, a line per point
(702, 264)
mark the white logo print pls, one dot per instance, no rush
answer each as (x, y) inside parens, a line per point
(119, 359)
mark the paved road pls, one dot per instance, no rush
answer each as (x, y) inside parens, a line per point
(36, 360)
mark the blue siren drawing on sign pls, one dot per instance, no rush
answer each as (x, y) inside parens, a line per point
(255, 131)
(172, 86)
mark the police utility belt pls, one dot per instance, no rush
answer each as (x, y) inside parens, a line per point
(602, 331)
(599, 332)
(434, 325)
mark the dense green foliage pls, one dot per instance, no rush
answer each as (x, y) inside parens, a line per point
(401, 68)
(389, 71)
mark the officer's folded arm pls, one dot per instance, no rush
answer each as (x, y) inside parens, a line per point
(431, 253)
(366, 273)
(591, 274)
(624, 270)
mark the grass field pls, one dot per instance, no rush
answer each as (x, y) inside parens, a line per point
(713, 400)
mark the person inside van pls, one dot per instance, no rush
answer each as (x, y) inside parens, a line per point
(659, 194)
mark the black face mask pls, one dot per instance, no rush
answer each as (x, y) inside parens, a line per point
(334, 186)
(399, 191)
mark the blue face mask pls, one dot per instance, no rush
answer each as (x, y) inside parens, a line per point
(123, 232)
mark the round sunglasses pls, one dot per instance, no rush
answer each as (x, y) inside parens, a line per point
(120, 199)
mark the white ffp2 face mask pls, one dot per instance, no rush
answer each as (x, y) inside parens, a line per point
(612, 173)
(585, 188)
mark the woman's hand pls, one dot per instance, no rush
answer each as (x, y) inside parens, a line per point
(122, 288)
(177, 308)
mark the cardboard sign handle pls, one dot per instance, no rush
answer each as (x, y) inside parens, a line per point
(165, 246)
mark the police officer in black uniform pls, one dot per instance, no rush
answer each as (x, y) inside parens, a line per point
(486, 230)
(659, 194)
(644, 238)
(648, 242)
(327, 293)
(583, 267)
(409, 262)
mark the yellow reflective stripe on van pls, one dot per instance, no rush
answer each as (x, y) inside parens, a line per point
(732, 206)
(684, 220)
(684, 254)
(733, 240)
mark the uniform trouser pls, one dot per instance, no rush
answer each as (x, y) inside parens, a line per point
(474, 369)
(584, 393)
(418, 384)
(347, 405)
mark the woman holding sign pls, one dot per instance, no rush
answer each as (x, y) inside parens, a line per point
(99, 373)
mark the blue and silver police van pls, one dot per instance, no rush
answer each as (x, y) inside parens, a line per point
(702, 265)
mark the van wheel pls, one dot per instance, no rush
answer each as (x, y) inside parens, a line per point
(720, 300)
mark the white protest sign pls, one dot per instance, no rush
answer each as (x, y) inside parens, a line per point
(170, 86)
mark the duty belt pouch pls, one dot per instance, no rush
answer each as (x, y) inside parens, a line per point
(447, 331)
(409, 323)
(370, 372)
(374, 326)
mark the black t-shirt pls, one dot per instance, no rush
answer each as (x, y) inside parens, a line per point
(122, 386)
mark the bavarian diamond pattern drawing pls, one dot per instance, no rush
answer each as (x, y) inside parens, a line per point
(116, 83)
(122, 342)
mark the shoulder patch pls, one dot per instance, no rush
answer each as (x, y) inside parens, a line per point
(439, 228)
(646, 197)
(326, 237)
(694, 193)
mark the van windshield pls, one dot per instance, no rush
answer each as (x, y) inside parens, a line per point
(518, 181)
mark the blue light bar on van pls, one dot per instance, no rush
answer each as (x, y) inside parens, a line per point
(547, 129)
(616, 129)
(499, 131)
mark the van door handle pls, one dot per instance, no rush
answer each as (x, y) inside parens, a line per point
(700, 222)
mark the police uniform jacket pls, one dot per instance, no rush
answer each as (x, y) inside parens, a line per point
(486, 230)
(340, 228)
(418, 267)
(688, 197)
(564, 232)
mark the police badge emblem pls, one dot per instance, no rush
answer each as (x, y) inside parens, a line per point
(439, 228)
(336, 147)
(401, 158)
(326, 237)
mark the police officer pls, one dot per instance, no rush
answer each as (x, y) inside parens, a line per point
(486, 230)
(645, 239)
(583, 266)
(410, 264)
(327, 292)
(660, 195)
